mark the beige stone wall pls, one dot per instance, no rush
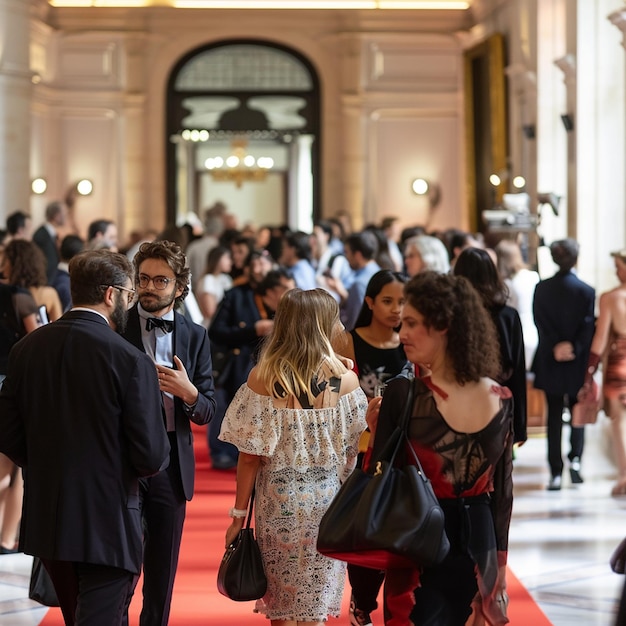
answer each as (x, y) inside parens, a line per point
(391, 104)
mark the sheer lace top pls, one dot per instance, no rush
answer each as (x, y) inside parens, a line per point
(297, 438)
(459, 464)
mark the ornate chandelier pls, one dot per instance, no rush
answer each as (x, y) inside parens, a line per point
(239, 167)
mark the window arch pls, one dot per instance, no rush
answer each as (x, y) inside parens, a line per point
(258, 89)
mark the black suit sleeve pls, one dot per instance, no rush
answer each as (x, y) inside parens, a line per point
(142, 419)
(202, 378)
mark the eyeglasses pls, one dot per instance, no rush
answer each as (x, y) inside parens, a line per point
(131, 294)
(159, 282)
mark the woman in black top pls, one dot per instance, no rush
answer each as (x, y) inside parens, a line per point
(374, 347)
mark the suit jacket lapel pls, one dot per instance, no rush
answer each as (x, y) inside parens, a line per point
(181, 338)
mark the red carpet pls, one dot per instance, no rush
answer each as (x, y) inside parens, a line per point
(196, 599)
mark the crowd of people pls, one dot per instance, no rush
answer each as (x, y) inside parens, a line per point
(297, 350)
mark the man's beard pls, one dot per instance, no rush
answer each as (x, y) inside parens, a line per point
(119, 315)
(156, 303)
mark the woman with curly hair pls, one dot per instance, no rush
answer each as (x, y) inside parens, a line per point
(461, 430)
(24, 265)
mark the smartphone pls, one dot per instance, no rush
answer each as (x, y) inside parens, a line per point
(379, 389)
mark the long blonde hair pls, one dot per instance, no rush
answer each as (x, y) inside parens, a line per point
(300, 343)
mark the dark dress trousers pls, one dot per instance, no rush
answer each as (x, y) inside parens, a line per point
(164, 496)
(80, 411)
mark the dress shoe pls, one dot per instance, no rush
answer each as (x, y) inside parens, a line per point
(4, 550)
(574, 471)
(554, 484)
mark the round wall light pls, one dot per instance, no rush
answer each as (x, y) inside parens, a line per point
(39, 186)
(84, 187)
(419, 186)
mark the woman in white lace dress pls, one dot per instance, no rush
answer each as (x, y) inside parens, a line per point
(296, 423)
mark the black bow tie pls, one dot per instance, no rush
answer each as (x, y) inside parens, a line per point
(167, 326)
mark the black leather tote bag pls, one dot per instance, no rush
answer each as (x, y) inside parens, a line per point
(241, 576)
(388, 517)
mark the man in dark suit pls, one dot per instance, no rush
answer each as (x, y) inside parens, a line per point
(80, 411)
(244, 317)
(46, 236)
(180, 349)
(563, 308)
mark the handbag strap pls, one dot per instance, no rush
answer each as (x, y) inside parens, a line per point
(404, 425)
(400, 435)
(408, 407)
(250, 507)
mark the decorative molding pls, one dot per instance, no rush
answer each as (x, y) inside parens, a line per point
(618, 18)
(407, 67)
(523, 80)
(567, 65)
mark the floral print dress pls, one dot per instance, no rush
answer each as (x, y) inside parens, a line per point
(307, 453)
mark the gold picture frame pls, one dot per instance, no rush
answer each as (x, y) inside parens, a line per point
(485, 124)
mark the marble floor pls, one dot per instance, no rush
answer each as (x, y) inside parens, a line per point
(560, 542)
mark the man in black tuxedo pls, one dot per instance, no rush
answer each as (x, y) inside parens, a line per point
(180, 350)
(47, 234)
(563, 308)
(80, 411)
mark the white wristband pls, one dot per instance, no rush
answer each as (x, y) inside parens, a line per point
(233, 512)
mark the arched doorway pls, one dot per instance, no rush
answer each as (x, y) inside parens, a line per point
(245, 98)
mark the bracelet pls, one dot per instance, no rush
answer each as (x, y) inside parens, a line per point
(233, 512)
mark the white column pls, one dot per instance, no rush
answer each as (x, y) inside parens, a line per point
(300, 209)
(15, 98)
(551, 138)
(600, 129)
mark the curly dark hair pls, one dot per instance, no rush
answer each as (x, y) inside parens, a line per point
(173, 255)
(28, 263)
(451, 303)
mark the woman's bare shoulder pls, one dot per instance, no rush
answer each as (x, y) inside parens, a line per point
(349, 382)
(255, 383)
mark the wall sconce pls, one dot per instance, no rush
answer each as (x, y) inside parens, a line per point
(519, 182)
(84, 187)
(568, 121)
(39, 186)
(422, 187)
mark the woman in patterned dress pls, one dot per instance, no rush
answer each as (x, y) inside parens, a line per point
(296, 423)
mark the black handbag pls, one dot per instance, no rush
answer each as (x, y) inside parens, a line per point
(387, 518)
(241, 575)
(41, 588)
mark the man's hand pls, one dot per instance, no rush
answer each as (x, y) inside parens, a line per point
(563, 351)
(176, 381)
(263, 327)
